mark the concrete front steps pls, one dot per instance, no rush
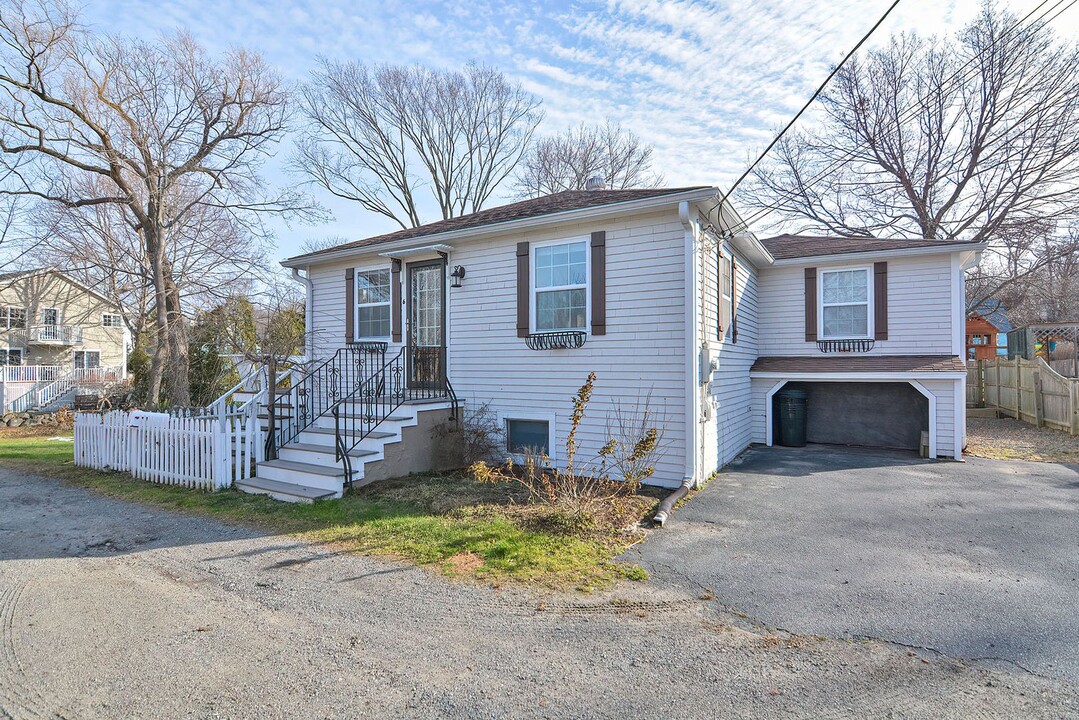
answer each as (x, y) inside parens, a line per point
(307, 470)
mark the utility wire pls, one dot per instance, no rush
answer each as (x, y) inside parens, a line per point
(816, 94)
(910, 113)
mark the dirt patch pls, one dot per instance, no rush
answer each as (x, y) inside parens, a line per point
(464, 563)
(1008, 439)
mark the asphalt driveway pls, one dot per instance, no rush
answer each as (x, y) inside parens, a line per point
(976, 560)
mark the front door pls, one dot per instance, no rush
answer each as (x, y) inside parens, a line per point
(427, 324)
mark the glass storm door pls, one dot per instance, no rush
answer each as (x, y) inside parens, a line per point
(426, 323)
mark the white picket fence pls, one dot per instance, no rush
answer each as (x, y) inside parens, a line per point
(208, 452)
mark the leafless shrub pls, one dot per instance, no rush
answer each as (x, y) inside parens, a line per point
(585, 493)
(484, 437)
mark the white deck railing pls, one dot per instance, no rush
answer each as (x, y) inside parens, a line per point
(31, 373)
(46, 390)
(56, 334)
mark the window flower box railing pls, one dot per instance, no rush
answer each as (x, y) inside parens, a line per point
(858, 345)
(567, 340)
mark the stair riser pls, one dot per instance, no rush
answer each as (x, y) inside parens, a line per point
(325, 459)
(407, 419)
(368, 443)
(296, 477)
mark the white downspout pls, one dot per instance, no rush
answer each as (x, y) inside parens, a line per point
(308, 314)
(692, 400)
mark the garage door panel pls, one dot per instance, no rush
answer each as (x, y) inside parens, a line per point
(883, 414)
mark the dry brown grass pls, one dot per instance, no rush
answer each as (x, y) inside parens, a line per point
(1008, 439)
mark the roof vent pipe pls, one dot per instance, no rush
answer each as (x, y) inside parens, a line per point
(595, 183)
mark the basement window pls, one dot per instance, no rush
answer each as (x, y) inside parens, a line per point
(524, 436)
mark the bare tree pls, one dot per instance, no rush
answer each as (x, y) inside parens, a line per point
(165, 131)
(974, 137)
(568, 160)
(213, 257)
(380, 134)
(1033, 277)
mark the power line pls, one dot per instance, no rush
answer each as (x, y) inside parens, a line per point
(911, 112)
(816, 94)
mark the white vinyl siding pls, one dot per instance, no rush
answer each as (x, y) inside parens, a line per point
(919, 308)
(729, 431)
(643, 352)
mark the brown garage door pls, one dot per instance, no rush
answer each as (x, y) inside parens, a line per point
(881, 414)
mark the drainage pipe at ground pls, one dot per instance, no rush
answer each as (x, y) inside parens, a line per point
(666, 507)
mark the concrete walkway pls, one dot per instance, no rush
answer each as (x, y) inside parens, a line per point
(978, 560)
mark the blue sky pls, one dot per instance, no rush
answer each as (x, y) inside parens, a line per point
(707, 82)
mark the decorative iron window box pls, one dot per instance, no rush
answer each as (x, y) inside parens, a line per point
(570, 340)
(845, 346)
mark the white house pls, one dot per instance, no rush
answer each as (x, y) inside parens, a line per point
(513, 306)
(56, 335)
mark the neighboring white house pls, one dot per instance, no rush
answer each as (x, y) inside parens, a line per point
(55, 333)
(640, 287)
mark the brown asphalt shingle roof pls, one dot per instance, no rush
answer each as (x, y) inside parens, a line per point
(547, 205)
(859, 363)
(785, 247)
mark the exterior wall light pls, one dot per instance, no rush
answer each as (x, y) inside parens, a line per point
(458, 275)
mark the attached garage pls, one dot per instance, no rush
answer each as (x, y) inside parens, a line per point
(865, 414)
(878, 401)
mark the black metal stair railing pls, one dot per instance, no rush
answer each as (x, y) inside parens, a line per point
(412, 374)
(316, 392)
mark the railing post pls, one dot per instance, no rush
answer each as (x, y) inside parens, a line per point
(271, 401)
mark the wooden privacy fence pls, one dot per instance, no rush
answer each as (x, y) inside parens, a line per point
(1027, 390)
(208, 452)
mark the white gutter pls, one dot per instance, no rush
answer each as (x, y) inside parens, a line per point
(693, 411)
(308, 312)
(943, 248)
(483, 230)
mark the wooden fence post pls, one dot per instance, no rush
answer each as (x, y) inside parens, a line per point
(1018, 389)
(1075, 407)
(1039, 401)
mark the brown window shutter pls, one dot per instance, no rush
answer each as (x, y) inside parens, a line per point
(599, 282)
(734, 300)
(720, 330)
(522, 290)
(395, 301)
(811, 304)
(350, 304)
(880, 301)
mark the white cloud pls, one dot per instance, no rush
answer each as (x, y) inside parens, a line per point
(707, 82)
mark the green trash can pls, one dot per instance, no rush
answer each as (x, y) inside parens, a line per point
(791, 413)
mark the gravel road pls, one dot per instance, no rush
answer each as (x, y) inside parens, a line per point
(113, 610)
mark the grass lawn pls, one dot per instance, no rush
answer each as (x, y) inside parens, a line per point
(447, 522)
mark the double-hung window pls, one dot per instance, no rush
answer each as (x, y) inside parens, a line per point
(373, 303)
(846, 296)
(10, 356)
(560, 285)
(12, 317)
